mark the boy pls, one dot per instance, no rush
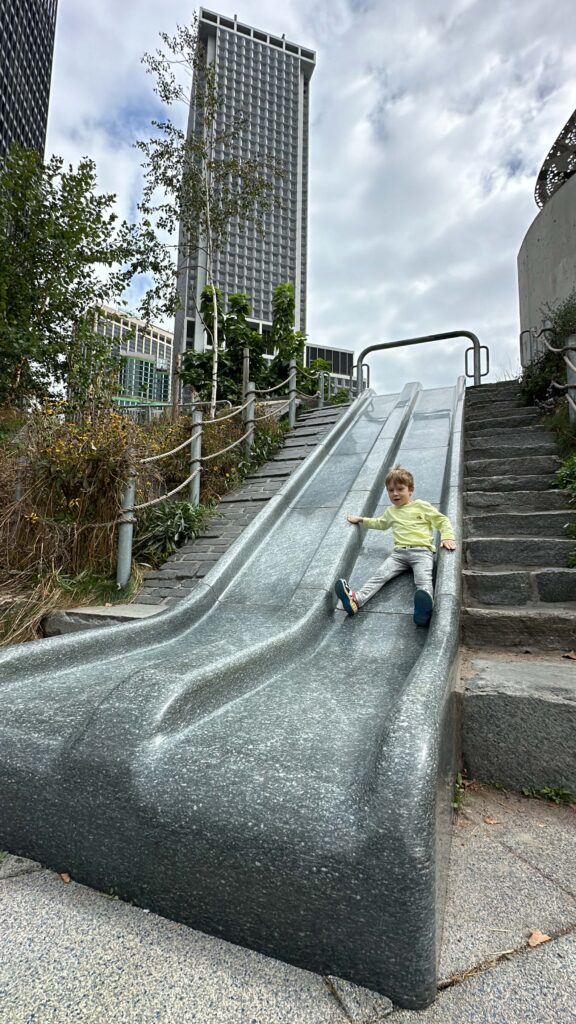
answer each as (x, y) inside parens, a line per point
(411, 523)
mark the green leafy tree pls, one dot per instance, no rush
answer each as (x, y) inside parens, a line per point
(199, 180)
(236, 334)
(288, 342)
(63, 254)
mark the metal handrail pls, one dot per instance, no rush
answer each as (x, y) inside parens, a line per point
(570, 386)
(477, 348)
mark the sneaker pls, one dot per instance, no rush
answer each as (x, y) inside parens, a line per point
(347, 596)
(423, 605)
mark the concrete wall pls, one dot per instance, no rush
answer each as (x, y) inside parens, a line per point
(547, 263)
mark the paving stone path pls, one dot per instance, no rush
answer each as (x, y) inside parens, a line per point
(187, 567)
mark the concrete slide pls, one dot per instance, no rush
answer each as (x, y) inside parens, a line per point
(254, 762)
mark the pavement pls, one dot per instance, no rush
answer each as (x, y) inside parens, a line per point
(69, 954)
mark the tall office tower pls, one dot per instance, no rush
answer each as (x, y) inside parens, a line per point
(266, 78)
(27, 30)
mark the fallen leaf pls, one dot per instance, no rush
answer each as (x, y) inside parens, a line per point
(570, 654)
(65, 876)
(537, 937)
(492, 821)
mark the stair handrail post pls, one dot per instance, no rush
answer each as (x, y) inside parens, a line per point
(321, 389)
(292, 391)
(126, 522)
(570, 360)
(245, 376)
(196, 456)
(250, 415)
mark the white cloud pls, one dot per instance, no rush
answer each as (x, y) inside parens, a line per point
(429, 122)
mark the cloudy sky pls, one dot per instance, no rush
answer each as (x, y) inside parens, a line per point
(429, 122)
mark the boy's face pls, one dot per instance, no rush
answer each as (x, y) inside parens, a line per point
(399, 494)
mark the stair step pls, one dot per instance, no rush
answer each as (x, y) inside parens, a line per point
(512, 465)
(547, 628)
(519, 720)
(506, 484)
(497, 586)
(518, 551)
(483, 397)
(519, 524)
(505, 501)
(505, 416)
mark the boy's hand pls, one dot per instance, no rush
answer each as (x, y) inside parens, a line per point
(354, 519)
(449, 544)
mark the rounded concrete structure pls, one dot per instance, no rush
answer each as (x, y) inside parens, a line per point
(547, 265)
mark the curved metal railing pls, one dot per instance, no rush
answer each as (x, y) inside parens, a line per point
(476, 349)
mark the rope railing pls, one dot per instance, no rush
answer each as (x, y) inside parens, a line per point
(206, 458)
(163, 497)
(164, 455)
(235, 412)
(266, 391)
(197, 460)
(267, 415)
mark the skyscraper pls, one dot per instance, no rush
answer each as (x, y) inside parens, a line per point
(267, 78)
(27, 30)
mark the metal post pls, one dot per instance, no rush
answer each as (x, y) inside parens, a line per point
(126, 527)
(570, 359)
(245, 372)
(196, 455)
(329, 387)
(251, 400)
(292, 394)
(321, 390)
(19, 490)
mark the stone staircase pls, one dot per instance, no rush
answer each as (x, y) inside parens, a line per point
(517, 589)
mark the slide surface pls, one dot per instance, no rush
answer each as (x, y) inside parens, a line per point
(255, 763)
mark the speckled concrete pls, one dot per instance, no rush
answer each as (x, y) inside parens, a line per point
(537, 988)
(74, 956)
(69, 954)
(252, 763)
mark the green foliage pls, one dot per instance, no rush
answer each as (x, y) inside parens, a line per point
(535, 384)
(164, 528)
(566, 475)
(537, 377)
(563, 320)
(62, 255)
(236, 334)
(267, 441)
(556, 795)
(558, 422)
(340, 397)
(458, 793)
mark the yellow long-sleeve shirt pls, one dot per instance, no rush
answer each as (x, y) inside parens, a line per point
(412, 524)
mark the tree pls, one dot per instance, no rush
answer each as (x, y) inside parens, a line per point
(200, 181)
(237, 335)
(63, 255)
(288, 342)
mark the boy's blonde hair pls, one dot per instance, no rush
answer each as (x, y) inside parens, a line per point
(399, 475)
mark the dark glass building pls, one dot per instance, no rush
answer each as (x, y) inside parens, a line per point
(27, 30)
(267, 78)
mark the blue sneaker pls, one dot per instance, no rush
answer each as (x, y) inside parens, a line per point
(423, 605)
(347, 597)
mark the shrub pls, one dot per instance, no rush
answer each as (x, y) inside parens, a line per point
(164, 528)
(566, 475)
(537, 377)
(535, 384)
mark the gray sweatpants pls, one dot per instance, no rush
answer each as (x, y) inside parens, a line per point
(420, 560)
